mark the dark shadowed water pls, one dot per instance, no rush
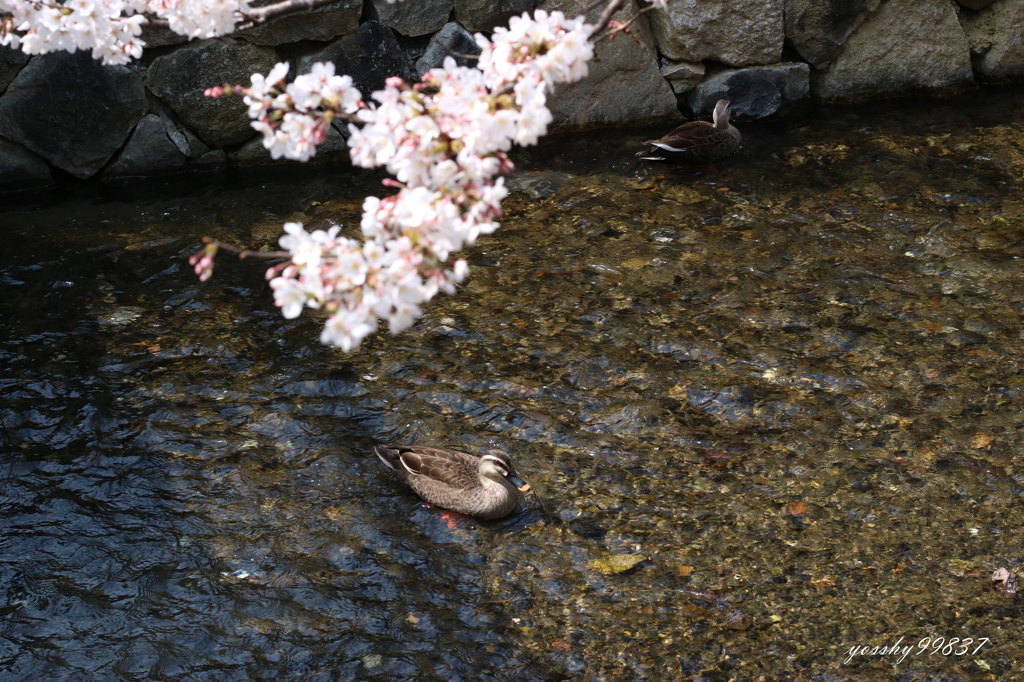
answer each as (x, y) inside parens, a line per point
(785, 391)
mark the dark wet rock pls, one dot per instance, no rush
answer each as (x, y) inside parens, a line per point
(211, 160)
(320, 23)
(412, 18)
(369, 56)
(180, 78)
(616, 563)
(484, 15)
(149, 151)
(72, 110)
(997, 45)
(537, 184)
(21, 169)
(734, 32)
(452, 40)
(905, 45)
(624, 82)
(186, 141)
(621, 419)
(1000, 237)
(819, 29)
(682, 76)
(733, 405)
(327, 388)
(11, 62)
(593, 372)
(975, 4)
(756, 91)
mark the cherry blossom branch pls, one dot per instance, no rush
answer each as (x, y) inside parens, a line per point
(203, 259)
(246, 253)
(605, 28)
(606, 15)
(445, 140)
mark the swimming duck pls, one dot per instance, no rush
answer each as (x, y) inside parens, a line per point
(697, 140)
(486, 487)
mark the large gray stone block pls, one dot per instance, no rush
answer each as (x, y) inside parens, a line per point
(451, 41)
(180, 78)
(321, 23)
(734, 32)
(149, 151)
(21, 169)
(11, 62)
(369, 56)
(818, 29)
(71, 110)
(997, 41)
(624, 82)
(413, 17)
(484, 15)
(904, 46)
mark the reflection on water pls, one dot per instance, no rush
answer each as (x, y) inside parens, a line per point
(790, 384)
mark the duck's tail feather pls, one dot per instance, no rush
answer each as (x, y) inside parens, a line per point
(387, 455)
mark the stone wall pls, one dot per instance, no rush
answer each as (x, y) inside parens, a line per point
(65, 114)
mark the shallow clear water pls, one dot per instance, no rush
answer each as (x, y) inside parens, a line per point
(791, 383)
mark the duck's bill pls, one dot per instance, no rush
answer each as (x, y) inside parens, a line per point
(523, 486)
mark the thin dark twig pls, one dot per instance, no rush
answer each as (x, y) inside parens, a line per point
(461, 55)
(606, 16)
(457, 55)
(623, 26)
(246, 253)
(618, 29)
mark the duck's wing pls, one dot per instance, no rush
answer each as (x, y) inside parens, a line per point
(679, 133)
(451, 467)
(693, 138)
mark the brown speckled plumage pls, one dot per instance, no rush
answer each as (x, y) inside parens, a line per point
(486, 487)
(697, 140)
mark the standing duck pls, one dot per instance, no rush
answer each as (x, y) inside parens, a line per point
(697, 140)
(486, 487)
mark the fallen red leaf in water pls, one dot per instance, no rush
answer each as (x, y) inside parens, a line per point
(797, 508)
(452, 519)
(982, 440)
